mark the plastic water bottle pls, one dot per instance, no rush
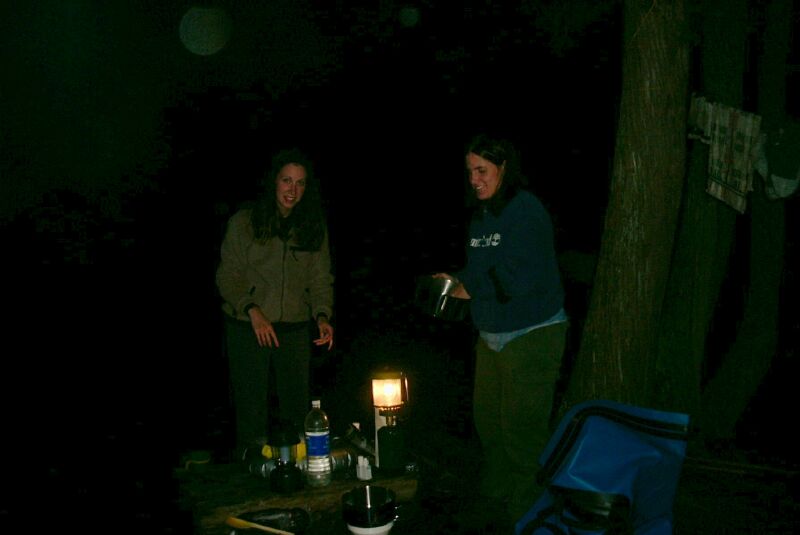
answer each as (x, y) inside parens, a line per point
(318, 446)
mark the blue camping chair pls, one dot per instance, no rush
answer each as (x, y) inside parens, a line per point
(609, 468)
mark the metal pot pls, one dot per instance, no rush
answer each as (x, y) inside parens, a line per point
(432, 297)
(369, 506)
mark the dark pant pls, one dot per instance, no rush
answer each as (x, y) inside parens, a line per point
(512, 404)
(250, 367)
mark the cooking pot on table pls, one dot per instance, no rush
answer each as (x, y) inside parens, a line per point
(433, 297)
(369, 510)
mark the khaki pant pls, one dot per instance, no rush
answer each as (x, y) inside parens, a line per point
(512, 406)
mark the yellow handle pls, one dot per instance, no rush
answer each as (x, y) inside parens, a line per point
(266, 450)
(234, 522)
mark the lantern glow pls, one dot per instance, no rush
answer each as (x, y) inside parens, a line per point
(389, 394)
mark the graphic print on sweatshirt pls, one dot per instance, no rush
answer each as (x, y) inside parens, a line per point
(492, 240)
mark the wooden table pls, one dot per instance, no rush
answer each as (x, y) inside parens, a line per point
(214, 492)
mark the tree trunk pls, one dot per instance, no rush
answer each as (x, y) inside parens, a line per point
(746, 364)
(615, 359)
(707, 225)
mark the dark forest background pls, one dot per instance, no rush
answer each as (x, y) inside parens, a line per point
(124, 153)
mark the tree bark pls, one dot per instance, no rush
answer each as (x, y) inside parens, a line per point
(615, 358)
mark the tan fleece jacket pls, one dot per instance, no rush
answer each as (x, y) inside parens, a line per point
(289, 285)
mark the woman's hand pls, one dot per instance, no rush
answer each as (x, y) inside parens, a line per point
(458, 290)
(325, 333)
(262, 328)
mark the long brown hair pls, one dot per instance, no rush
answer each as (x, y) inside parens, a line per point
(306, 221)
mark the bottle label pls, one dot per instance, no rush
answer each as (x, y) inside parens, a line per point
(318, 443)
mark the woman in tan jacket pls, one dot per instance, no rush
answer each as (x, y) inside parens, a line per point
(274, 277)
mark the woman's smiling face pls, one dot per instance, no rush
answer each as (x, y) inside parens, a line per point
(290, 184)
(484, 176)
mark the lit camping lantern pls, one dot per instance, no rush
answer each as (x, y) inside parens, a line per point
(389, 395)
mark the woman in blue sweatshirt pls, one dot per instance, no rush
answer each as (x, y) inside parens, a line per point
(517, 298)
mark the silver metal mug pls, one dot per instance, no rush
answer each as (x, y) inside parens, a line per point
(433, 298)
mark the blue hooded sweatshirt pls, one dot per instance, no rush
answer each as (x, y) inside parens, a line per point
(511, 272)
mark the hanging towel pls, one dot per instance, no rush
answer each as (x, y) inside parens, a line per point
(778, 162)
(733, 136)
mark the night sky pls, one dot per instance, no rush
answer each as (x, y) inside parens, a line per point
(108, 101)
(130, 135)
